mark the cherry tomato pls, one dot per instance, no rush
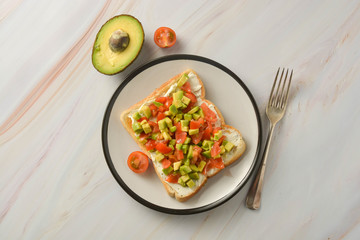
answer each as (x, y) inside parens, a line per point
(138, 162)
(164, 37)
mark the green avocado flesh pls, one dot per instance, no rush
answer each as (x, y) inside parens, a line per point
(104, 58)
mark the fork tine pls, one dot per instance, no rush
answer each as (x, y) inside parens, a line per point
(276, 99)
(285, 98)
(272, 89)
(281, 95)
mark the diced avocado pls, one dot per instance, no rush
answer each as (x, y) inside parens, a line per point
(194, 175)
(173, 109)
(193, 110)
(147, 128)
(190, 183)
(178, 146)
(176, 120)
(172, 142)
(194, 167)
(136, 116)
(188, 117)
(137, 127)
(172, 147)
(196, 116)
(187, 140)
(143, 140)
(185, 148)
(184, 129)
(193, 131)
(184, 125)
(154, 136)
(168, 122)
(159, 156)
(185, 169)
(201, 166)
(207, 144)
(190, 152)
(224, 142)
(229, 146)
(182, 172)
(168, 170)
(179, 116)
(187, 162)
(181, 182)
(162, 124)
(166, 136)
(206, 153)
(185, 178)
(201, 113)
(218, 135)
(177, 165)
(182, 80)
(158, 104)
(143, 122)
(173, 129)
(185, 100)
(223, 150)
(177, 96)
(146, 111)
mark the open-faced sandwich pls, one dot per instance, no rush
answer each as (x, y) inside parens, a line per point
(183, 134)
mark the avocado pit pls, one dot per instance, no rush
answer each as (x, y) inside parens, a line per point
(119, 41)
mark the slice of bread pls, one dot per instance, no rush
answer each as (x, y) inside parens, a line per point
(233, 135)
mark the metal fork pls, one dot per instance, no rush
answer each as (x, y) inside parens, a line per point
(275, 111)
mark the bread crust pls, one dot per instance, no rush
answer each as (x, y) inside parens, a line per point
(160, 91)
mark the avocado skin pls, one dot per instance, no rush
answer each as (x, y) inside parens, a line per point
(93, 55)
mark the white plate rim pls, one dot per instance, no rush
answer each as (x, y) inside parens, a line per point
(104, 136)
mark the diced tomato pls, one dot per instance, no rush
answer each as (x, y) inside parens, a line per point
(221, 140)
(154, 126)
(191, 96)
(154, 110)
(166, 163)
(197, 137)
(160, 116)
(196, 124)
(150, 145)
(162, 109)
(196, 153)
(180, 137)
(210, 116)
(179, 154)
(178, 127)
(173, 177)
(143, 118)
(216, 130)
(186, 87)
(161, 100)
(172, 158)
(163, 148)
(207, 132)
(144, 135)
(215, 150)
(188, 108)
(168, 102)
(217, 163)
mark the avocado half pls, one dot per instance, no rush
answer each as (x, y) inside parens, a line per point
(117, 44)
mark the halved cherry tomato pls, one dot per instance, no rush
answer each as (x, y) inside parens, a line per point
(173, 178)
(186, 87)
(150, 145)
(165, 163)
(138, 162)
(215, 150)
(180, 137)
(164, 37)
(163, 148)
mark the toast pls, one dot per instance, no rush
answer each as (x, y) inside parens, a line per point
(184, 134)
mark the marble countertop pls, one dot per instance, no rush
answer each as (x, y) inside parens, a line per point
(54, 181)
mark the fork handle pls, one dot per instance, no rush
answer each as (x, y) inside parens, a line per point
(253, 198)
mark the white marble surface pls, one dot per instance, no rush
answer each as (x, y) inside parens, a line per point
(54, 182)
